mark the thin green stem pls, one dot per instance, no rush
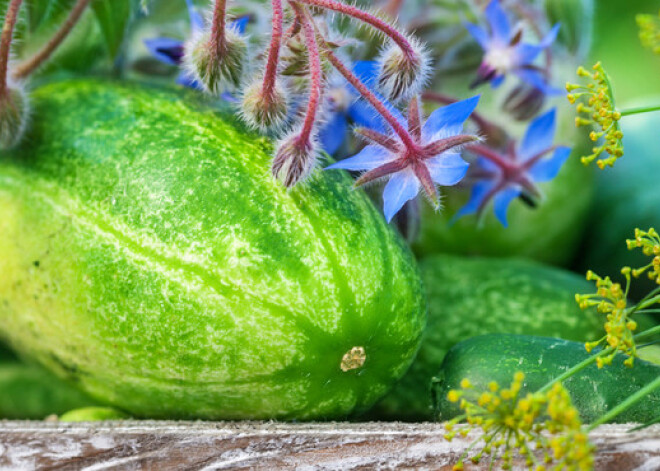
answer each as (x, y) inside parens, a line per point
(623, 406)
(576, 369)
(639, 110)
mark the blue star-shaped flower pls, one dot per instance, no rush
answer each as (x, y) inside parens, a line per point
(503, 177)
(430, 157)
(346, 107)
(170, 51)
(506, 53)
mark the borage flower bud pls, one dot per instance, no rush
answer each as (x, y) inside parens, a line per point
(265, 110)
(14, 112)
(295, 159)
(217, 66)
(524, 102)
(403, 74)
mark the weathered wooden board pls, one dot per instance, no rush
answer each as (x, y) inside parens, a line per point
(149, 445)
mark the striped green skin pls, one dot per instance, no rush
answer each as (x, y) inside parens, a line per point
(148, 255)
(475, 296)
(499, 357)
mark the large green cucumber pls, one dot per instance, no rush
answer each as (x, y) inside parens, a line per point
(475, 296)
(148, 255)
(498, 357)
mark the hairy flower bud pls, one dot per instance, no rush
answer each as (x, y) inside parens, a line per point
(402, 76)
(217, 66)
(14, 111)
(524, 102)
(262, 110)
(294, 160)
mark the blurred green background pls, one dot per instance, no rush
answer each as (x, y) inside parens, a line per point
(634, 70)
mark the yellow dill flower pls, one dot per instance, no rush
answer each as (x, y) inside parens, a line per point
(544, 428)
(611, 300)
(649, 31)
(596, 107)
(649, 242)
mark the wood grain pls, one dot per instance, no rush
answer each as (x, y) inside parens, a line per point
(150, 445)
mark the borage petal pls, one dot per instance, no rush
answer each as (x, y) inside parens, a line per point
(498, 22)
(369, 158)
(539, 135)
(402, 187)
(166, 50)
(447, 169)
(333, 133)
(450, 118)
(479, 34)
(537, 79)
(364, 115)
(546, 169)
(480, 190)
(502, 201)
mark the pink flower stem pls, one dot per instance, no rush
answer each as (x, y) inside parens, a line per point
(270, 74)
(315, 73)
(485, 126)
(371, 98)
(394, 7)
(535, 158)
(29, 66)
(368, 18)
(493, 156)
(5, 42)
(218, 39)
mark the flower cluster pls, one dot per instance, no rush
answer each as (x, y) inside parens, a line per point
(596, 108)
(505, 53)
(649, 242)
(502, 176)
(611, 299)
(649, 31)
(532, 424)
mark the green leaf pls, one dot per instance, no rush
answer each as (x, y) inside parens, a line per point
(114, 17)
(46, 13)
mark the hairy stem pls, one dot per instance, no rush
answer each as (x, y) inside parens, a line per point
(29, 66)
(270, 75)
(398, 38)
(5, 42)
(218, 39)
(370, 97)
(315, 72)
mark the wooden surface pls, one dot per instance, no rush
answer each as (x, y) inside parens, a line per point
(132, 445)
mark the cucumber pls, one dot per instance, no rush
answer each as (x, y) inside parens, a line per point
(498, 357)
(148, 255)
(475, 296)
(30, 392)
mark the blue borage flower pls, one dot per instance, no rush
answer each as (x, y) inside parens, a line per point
(506, 53)
(503, 177)
(431, 159)
(344, 107)
(170, 51)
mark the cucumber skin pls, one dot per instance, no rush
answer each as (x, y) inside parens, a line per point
(148, 255)
(476, 296)
(498, 357)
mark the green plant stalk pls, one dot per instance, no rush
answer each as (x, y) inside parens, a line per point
(639, 110)
(630, 401)
(592, 359)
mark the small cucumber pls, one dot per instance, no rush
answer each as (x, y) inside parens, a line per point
(476, 296)
(498, 357)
